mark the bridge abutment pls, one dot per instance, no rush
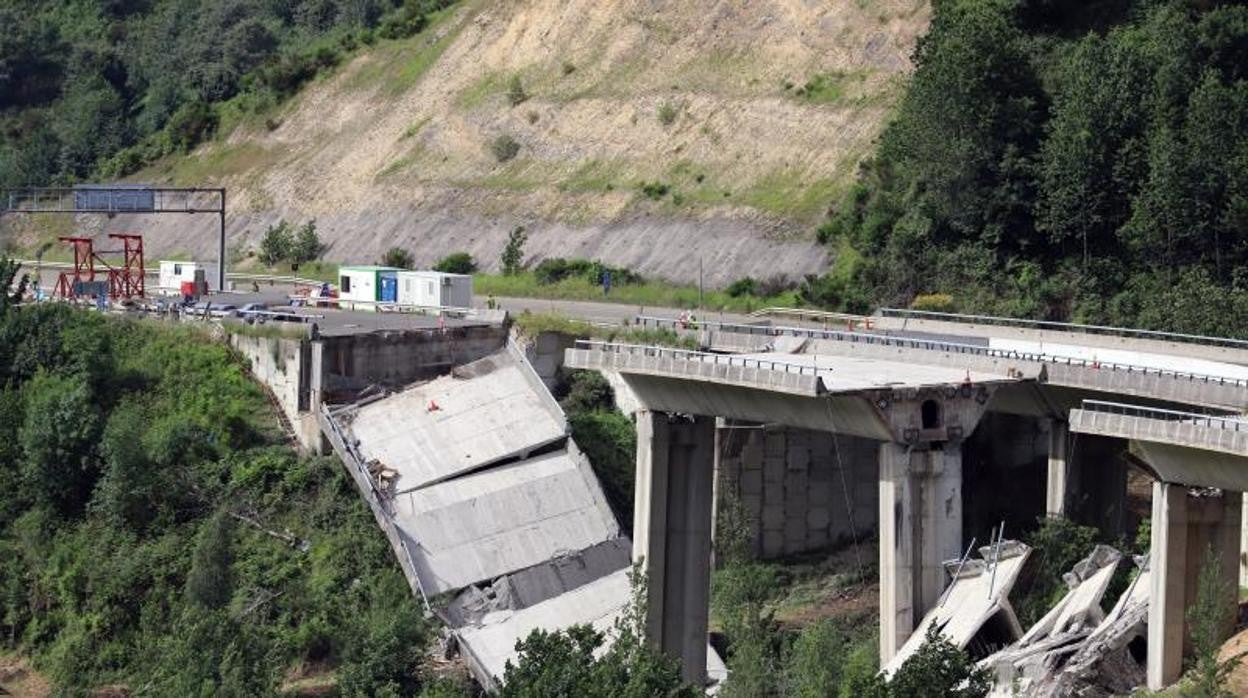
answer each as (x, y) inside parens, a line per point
(672, 519)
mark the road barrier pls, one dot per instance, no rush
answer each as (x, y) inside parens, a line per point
(1063, 327)
(929, 345)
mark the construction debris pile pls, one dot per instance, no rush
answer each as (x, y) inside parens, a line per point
(489, 506)
(1076, 649)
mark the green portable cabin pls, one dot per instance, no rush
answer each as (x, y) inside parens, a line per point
(362, 284)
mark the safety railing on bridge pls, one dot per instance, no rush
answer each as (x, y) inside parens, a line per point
(1230, 422)
(1064, 327)
(813, 315)
(699, 356)
(930, 345)
(378, 501)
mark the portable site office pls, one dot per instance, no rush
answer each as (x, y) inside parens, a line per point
(173, 273)
(434, 289)
(367, 285)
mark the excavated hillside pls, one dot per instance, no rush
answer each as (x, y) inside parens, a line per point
(745, 117)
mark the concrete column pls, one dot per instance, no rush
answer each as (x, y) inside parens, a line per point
(920, 527)
(1055, 493)
(1226, 542)
(1242, 558)
(1167, 579)
(672, 533)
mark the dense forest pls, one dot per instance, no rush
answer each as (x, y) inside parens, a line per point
(100, 88)
(1061, 159)
(158, 533)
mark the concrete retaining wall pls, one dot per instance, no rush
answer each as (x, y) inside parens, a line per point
(793, 485)
(281, 364)
(351, 362)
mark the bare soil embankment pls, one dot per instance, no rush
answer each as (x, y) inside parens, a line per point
(751, 117)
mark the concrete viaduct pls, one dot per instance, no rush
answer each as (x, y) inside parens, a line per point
(918, 385)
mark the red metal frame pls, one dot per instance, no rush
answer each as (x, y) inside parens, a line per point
(84, 267)
(129, 279)
(126, 282)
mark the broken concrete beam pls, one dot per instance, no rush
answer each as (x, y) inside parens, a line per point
(1061, 631)
(979, 594)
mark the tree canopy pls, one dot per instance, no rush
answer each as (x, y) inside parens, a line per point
(99, 88)
(1062, 160)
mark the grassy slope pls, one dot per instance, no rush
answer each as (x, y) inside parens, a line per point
(769, 110)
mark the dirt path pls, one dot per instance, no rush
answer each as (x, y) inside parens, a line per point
(20, 680)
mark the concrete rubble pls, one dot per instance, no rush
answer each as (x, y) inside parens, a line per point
(490, 506)
(1076, 649)
(975, 608)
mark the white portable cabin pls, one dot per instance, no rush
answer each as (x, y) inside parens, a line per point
(173, 273)
(361, 283)
(435, 289)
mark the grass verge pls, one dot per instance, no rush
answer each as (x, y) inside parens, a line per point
(650, 293)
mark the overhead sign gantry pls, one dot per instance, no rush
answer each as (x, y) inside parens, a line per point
(112, 199)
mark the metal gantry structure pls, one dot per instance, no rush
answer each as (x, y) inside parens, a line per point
(125, 281)
(113, 199)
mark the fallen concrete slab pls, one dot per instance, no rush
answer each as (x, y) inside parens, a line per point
(482, 526)
(489, 646)
(975, 603)
(482, 413)
(530, 586)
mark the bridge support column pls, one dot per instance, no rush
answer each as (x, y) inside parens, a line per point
(1183, 528)
(672, 518)
(920, 528)
(1055, 493)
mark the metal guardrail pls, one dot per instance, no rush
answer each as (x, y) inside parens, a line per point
(812, 314)
(1216, 421)
(933, 345)
(375, 498)
(699, 356)
(1064, 327)
(155, 271)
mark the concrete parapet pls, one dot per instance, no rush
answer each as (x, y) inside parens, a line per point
(772, 376)
(1104, 340)
(1187, 390)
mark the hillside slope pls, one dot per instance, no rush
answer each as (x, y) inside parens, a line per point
(754, 115)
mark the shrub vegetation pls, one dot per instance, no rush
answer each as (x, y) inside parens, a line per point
(138, 463)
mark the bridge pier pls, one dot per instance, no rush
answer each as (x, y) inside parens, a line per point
(1183, 527)
(1056, 490)
(920, 528)
(672, 520)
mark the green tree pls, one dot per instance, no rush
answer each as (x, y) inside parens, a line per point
(1210, 618)
(58, 437)
(12, 286)
(277, 244)
(306, 245)
(562, 663)
(398, 257)
(939, 669)
(513, 252)
(387, 659)
(209, 584)
(456, 263)
(127, 490)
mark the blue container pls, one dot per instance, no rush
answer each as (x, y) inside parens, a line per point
(389, 289)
